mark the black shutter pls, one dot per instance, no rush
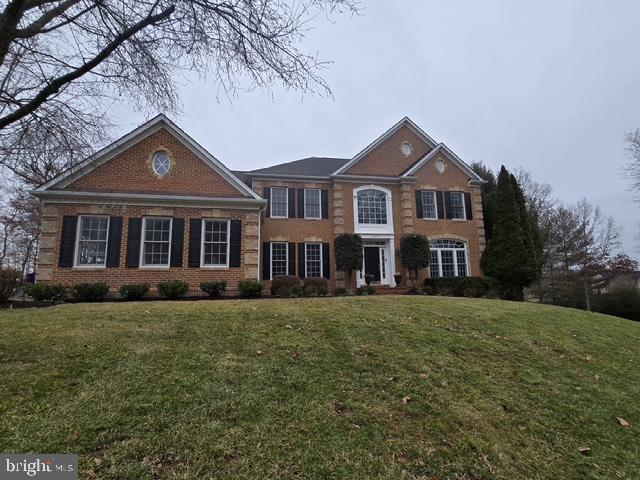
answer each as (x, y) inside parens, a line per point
(266, 261)
(326, 264)
(419, 209)
(133, 242)
(292, 202)
(266, 193)
(177, 242)
(235, 247)
(467, 206)
(292, 258)
(115, 239)
(195, 241)
(300, 202)
(324, 203)
(440, 204)
(302, 267)
(67, 241)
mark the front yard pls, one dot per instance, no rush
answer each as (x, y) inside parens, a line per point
(386, 387)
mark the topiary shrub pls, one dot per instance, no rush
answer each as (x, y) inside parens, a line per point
(173, 289)
(48, 292)
(134, 292)
(348, 251)
(281, 286)
(250, 288)
(89, 292)
(621, 302)
(474, 287)
(214, 289)
(414, 253)
(9, 281)
(366, 290)
(315, 287)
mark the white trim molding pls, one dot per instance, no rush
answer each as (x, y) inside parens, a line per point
(212, 266)
(154, 266)
(442, 148)
(373, 227)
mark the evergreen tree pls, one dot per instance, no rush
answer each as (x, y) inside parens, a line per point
(488, 191)
(527, 228)
(508, 253)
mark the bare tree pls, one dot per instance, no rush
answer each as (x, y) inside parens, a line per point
(20, 232)
(61, 60)
(632, 168)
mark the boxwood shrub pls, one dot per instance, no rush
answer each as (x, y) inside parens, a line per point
(173, 289)
(284, 285)
(89, 292)
(314, 287)
(48, 292)
(214, 289)
(475, 287)
(250, 288)
(135, 291)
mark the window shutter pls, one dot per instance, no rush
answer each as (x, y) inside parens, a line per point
(440, 204)
(67, 241)
(266, 261)
(326, 264)
(113, 245)
(447, 204)
(292, 202)
(419, 210)
(266, 193)
(467, 206)
(177, 242)
(133, 242)
(195, 242)
(324, 203)
(235, 247)
(302, 267)
(300, 202)
(292, 258)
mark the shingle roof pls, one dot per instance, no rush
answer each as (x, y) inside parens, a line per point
(311, 166)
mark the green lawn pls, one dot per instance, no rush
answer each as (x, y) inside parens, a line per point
(377, 387)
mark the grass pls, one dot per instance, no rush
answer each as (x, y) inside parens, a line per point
(393, 387)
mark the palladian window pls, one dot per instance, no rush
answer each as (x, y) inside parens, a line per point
(372, 207)
(448, 259)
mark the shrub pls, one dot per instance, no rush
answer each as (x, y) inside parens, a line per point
(89, 292)
(173, 289)
(250, 288)
(475, 287)
(214, 289)
(340, 292)
(297, 291)
(281, 286)
(621, 302)
(9, 280)
(49, 292)
(348, 251)
(366, 290)
(414, 253)
(314, 287)
(134, 292)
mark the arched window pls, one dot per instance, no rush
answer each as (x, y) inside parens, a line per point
(448, 258)
(372, 207)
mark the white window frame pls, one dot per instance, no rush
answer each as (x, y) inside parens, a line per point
(271, 258)
(142, 242)
(306, 259)
(76, 249)
(438, 250)
(464, 208)
(435, 204)
(373, 228)
(319, 203)
(202, 242)
(286, 203)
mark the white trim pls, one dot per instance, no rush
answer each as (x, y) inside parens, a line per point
(442, 148)
(271, 259)
(464, 208)
(438, 251)
(386, 244)
(373, 227)
(304, 203)
(141, 263)
(406, 121)
(143, 131)
(271, 215)
(435, 204)
(306, 259)
(217, 266)
(77, 244)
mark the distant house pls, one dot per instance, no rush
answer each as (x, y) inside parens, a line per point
(625, 280)
(156, 205)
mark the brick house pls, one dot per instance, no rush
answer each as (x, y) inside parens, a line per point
(155, 205)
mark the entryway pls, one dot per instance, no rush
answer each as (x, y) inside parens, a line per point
(375, 262)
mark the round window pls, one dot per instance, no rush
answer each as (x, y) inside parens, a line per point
(440, 166)
(161, 163)
(406, 149)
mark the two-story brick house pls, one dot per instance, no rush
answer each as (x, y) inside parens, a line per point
(155, 205)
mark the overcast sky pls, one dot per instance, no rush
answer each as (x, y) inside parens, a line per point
(551, 86)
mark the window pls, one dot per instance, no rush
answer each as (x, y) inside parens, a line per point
(312, 207)
(456, 205)
(161, 163)
(279, 259)
(429, 209)
(372, 207)
(448, 259)
(91, 248)
(279, 202)
(313, 259)
(156, 242)
(215, 243)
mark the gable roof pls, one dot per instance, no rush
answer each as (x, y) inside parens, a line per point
(404, 122)
(310, 166)
(133, 137)
(442, 148)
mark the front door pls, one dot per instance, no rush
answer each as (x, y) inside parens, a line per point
(372, 262)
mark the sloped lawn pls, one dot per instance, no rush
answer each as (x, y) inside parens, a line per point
(380, 387)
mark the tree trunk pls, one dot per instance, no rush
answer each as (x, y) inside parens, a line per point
(587, 298)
